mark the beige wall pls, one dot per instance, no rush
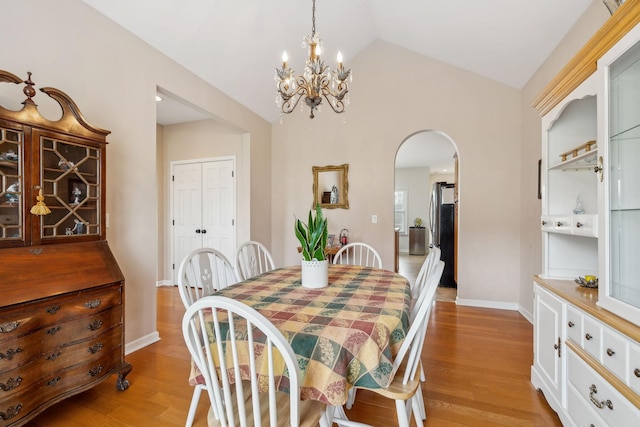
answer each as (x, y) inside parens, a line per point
(530, 236)
(113, 78)
(480, 116)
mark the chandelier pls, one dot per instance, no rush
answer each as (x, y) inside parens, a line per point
(317, 82)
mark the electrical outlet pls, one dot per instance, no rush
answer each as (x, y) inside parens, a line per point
(374, 219)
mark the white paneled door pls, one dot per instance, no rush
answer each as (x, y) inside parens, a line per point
(203, 208)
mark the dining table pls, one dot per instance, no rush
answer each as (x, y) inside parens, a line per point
(344, 335)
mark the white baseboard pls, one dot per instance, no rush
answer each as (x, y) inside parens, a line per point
(526, 314)
(164, 283)
(135, 345)
(500, 305)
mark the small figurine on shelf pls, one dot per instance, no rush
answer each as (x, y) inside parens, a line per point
(11, 194)
(578, 209)
(77, 193)
(78, 228)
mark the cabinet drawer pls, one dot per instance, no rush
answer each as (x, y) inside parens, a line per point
(634, 366)
(30, 397)
(561, 223)
(599, 395)
(592, 334)
(21, 320)
(584, 225)
(574, 325)
(614, 353)
(580, 412)
(66, 333)
(546, 223)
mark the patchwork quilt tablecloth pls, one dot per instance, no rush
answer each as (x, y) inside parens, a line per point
(343, 335)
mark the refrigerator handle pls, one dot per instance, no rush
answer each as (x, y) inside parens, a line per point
(431, 215)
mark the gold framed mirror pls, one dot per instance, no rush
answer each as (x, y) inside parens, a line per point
(331, 186)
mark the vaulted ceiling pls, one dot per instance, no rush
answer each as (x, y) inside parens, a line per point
(235, 45)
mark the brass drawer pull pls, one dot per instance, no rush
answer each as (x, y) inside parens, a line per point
(10, 353)
(593, 390)
(53, 309)
(54, 356)
(588, 336)
(610, 352)
(96, 348)
(53, 330)
(53, 381)
(9, 327)
(95, 371)
(95, 325)
(12, 411)
(10, 384)
(93, 303)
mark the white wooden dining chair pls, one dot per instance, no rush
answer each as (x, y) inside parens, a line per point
(358, 253)
(427, 267)
(252, 258)
(211, 327)
(405, 387)
(203, 272)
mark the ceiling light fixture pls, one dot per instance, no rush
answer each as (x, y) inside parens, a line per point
(317, 82)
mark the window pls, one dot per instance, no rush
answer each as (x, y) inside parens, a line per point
(401, 210)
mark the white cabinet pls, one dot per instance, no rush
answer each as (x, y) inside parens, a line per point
(586, 360)
(547, 371)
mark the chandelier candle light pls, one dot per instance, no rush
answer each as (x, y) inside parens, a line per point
(317, 82)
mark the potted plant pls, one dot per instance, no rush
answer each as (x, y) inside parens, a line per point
(313, 239)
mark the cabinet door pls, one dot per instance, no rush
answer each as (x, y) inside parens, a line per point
(70, 176)
(619, 71)
(12, 231)
(549, 342)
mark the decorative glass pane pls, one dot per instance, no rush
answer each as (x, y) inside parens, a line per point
(624, 177)
(71, 186)
(10, 185)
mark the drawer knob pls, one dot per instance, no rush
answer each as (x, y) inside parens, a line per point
(610, 352)
(588, 336)
(95, 348)
(636, 372)
(53, 309)
(93, 303)
(559, 224)
(95, 325)
(544, 222)
(8, 327)
(558, 347)
(95, 371)
(10, 353)
(53, 381)
(599, 404)
(12, 411)
(571, 324)
(579, 224)
(53, 330)
(10, 384)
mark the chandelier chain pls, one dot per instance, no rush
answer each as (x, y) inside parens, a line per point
(313, 18)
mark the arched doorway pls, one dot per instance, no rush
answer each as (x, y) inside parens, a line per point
(426, 184)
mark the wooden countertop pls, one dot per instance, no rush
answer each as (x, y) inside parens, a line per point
(587, 300)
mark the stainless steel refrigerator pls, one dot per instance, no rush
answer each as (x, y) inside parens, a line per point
(441, 219)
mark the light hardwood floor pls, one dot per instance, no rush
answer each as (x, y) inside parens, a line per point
(477, 362)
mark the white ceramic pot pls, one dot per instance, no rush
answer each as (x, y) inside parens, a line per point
(315, 274)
